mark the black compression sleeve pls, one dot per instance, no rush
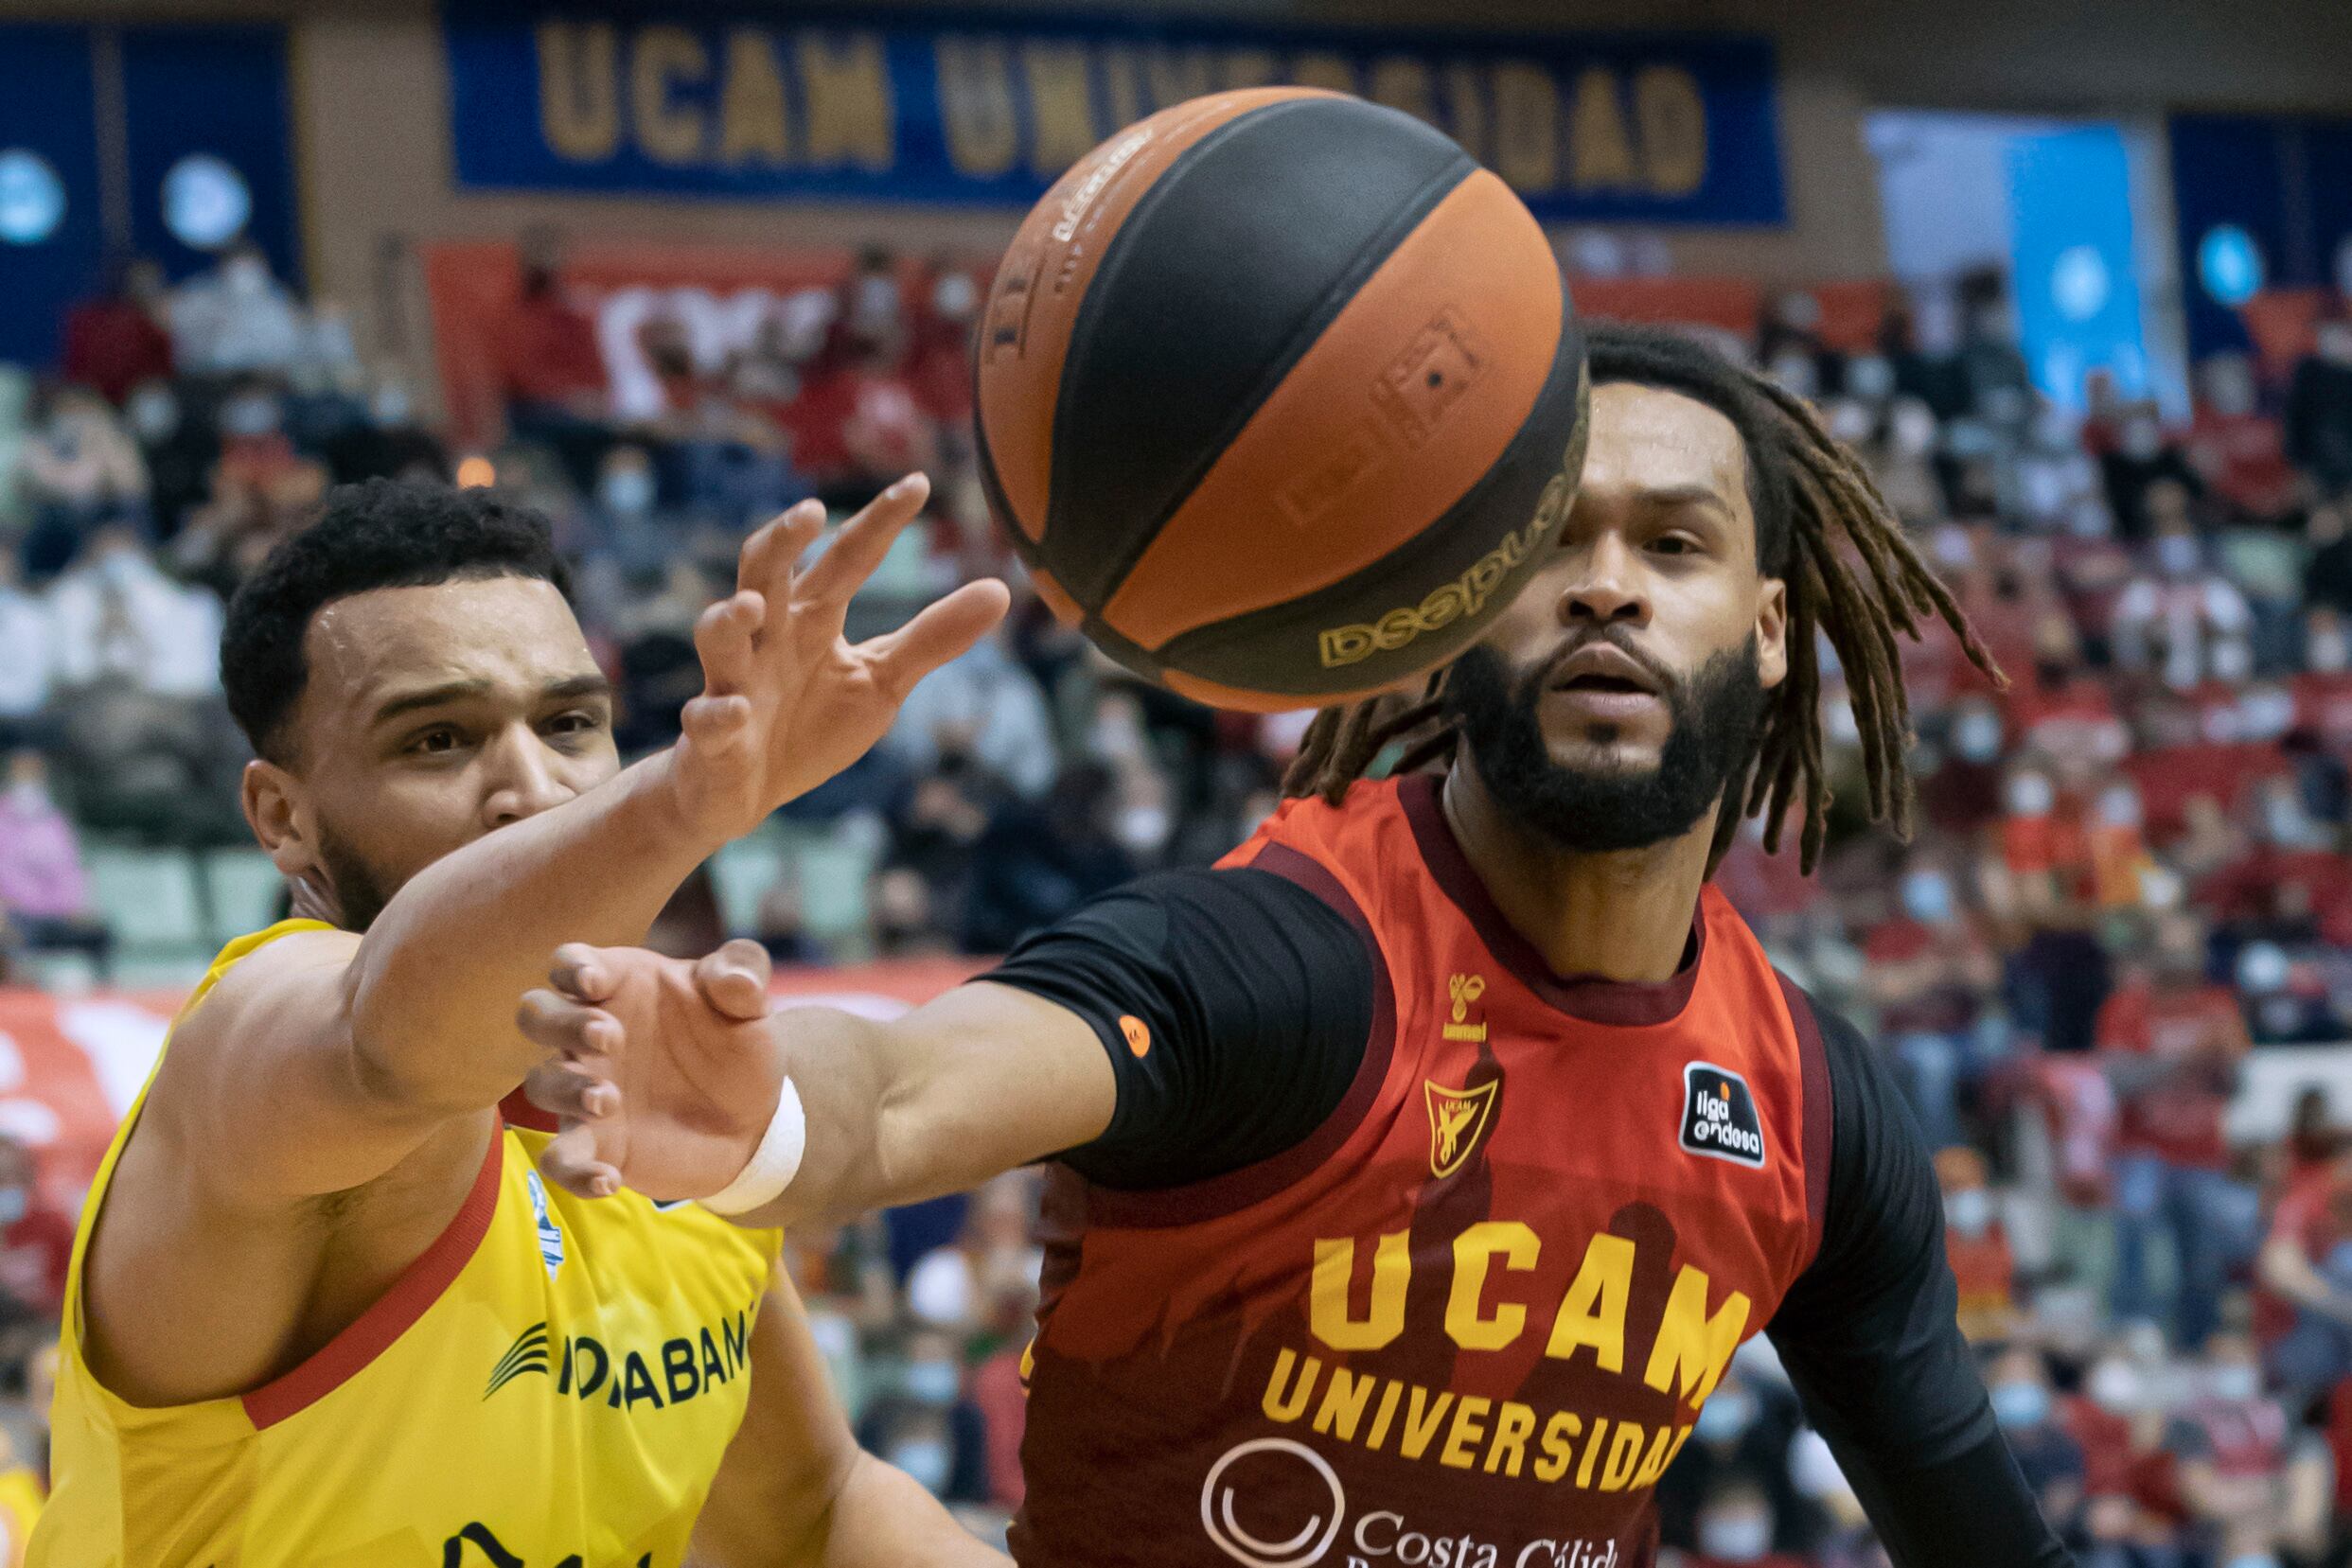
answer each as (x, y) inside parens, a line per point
(1255, 1002)
(1870, 1337)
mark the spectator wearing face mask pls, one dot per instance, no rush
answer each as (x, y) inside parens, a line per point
(1742, 1436)
(1900, 454)
(1036, 863)
(2319, 409)
(44, 892)
(2173, 1042)
(1992, 369)
(27, 661)
(624, 512)
(1928, 970)
(1735, 1530)
(2305, 1268)
(2018, 1381)
(389, 443)
(939, 357)
(2052, 476)
(926, 1427)
(1977, 1244)
(81, 470)
(2232, 1445)
(2184, 619)
(552, 376)
(36, 1246)
(2240, 451)
(179, 452)
(115, 340)
(985, 704)
(236, 319)
(2144, 457)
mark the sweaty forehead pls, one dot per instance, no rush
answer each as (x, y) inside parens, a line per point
(515, 633)
(1648, 439)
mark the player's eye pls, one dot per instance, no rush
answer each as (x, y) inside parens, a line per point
(577, 721)
(1674, 544)
(438, 741)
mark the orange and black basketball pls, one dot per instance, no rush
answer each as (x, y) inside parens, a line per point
(1279, 394)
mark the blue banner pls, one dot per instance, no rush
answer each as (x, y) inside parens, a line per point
(746, 104)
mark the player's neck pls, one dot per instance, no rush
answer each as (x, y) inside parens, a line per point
(1623, 915)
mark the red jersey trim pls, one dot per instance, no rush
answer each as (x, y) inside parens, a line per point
(372, 1332)
(1813, 1082)
(1624, 1004)
(518, 1111)
(1237, 1190)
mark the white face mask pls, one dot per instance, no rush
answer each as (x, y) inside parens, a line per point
(2029, 795)
(153, 415)
(1144, 829)
(12, 1204)
(2114, 1388)
(1977, 735)
(2326, 650)
(1969, 1212)
(28, 795)
(924, 1458)
(118, 569)
(2234, 1382)
(1869, 378)
(2232, 662)
(2177, 553)
(954, 297)
(246, 275)
(249, 416)
(1735, 1536)
(626, 492)
(2120, 808)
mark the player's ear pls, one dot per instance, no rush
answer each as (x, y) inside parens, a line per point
(274, 807)
(1772, 633)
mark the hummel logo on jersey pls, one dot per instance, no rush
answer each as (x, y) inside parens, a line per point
(528, 1354)
(1719, 1116)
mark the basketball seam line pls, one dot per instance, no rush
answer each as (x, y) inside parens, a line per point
(1368, 259)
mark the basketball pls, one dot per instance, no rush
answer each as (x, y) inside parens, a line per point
(1280, 396)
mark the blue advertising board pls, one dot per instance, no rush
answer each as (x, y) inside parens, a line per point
(750, 104)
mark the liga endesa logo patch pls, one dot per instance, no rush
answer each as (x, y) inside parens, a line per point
(1719, 1117)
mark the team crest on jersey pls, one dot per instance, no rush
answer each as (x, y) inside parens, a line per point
(1458, 1120)
(1719, 1117)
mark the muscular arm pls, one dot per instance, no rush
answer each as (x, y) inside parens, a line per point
(1187, 1025)
(324, 1058)
(795, 1490)
(1870, 1337)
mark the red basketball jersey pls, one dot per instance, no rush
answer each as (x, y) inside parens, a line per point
(1470, 1321)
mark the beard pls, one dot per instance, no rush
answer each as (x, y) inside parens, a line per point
(1713, 715)
(358, 892)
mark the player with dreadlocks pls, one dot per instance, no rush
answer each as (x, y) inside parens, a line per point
(1417, 1170)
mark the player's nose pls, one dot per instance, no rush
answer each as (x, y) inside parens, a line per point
(1606, 587)
(523, 782)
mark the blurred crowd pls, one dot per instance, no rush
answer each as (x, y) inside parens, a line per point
(2129, 871)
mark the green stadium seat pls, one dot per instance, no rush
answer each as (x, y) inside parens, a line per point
(150, 898)
(243, 891)
(741, 874)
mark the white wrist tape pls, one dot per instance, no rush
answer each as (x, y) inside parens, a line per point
(773, 1165)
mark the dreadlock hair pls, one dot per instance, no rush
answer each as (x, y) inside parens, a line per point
(1821, 527)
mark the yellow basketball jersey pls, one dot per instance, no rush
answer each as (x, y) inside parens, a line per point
(551, 1385)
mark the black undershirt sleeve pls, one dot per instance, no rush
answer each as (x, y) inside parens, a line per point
(1255, 1004)
(1870, 1337)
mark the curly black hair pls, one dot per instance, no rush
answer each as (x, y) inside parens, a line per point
(380, 533)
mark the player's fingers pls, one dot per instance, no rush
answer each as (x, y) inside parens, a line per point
(734, 979)
(715, 721)
(580, 973)
(765, 563)
(940, 632)
(722, 640)
(861, 543)
(572, 1161)
(554, 1022)
(564, 1089)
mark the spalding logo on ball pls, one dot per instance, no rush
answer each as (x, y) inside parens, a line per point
(1280, 397)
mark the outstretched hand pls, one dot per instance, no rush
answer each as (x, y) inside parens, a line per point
(664, 1072)
(787, 700)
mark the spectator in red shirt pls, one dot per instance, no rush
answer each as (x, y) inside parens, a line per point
(36, 1243)
(114, 340)
(2240, 451)
(2305, 1265)
(550, 372)
(939, 359)
(2173, 1041)
(1928, 970)
(1977, 1245)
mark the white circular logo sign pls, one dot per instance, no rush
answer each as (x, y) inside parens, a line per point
(1313, 1537)
(32, 199)
(205, 201)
